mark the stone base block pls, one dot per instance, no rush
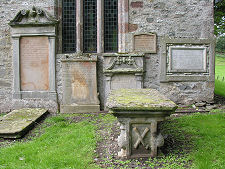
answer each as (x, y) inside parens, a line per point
(79, 108)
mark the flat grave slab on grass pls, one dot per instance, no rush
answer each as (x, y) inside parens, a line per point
(16, 123)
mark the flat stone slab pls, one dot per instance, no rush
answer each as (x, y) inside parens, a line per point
(16, 123)
(139, 99)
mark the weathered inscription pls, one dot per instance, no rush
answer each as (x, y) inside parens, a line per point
(145, 43)
(123, 81)
(188, 59)
(34, 60)
(80, 84)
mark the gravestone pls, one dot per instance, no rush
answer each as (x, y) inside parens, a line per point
(139, 111)
(18, 122)
(123, 71)
(79, 84)
(33, 38)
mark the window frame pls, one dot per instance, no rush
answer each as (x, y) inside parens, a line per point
(123, 26)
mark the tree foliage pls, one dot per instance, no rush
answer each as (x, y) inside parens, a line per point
(219, 17)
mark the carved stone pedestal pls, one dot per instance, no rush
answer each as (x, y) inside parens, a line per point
(139, 111)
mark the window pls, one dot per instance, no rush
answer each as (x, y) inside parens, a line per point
(110, 25)
(90, 26)
(73, 38)
(69, 26)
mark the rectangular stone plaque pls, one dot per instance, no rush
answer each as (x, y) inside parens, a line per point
(120, 81)
(34, 63)
(79, 83)
(145, 43)
(187, 59)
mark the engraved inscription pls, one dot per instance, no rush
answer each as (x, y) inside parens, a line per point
(34, 60)
(189, 59)
(123, 81)
(145, 43)
(80, 86)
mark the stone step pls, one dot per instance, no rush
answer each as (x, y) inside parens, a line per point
(18, 122)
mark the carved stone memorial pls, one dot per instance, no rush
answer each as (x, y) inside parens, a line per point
(187, 59)
(33, 38)
(79, 84)
(145, 43)
(34, 63)
(139, 111)
(123, 71)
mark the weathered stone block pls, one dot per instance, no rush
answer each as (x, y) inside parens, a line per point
(16, 123)
(144, 42)
(79, 84)
(139, 112)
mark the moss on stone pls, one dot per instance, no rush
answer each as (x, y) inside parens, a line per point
(139, 99)
(12, 124)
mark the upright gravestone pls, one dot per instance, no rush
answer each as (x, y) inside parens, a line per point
(79, 84)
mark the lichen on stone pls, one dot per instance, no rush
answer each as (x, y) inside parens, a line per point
(139, 99)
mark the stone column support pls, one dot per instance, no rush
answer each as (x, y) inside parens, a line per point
(107, 85)
(123, 20)
(139, 80)
(100, 26)
(52, 69)
(79, 25)
(16, 68)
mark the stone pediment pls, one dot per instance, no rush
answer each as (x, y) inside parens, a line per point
(33, 17)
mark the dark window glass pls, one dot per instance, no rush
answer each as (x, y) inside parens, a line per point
(90, 26)
(69, 26)
(111, 25)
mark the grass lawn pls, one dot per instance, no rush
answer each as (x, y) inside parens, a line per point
(63, 145)
(220, 72)
(195, 141)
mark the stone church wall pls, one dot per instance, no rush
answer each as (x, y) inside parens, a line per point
(174, 18)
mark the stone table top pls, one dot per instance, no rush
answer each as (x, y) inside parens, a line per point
(139, 99)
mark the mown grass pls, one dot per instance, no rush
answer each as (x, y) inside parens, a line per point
(63, 145)
(207, 134)
(196, 141)
(219, 74)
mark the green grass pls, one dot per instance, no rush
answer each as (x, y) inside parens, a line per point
(63, 145)
(196, 141)
(207, 133)
(220, 72)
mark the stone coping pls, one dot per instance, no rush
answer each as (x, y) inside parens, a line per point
(138, 54)
(16, 123)
(139, 100)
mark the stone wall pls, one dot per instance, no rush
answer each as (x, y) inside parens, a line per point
(175, 18)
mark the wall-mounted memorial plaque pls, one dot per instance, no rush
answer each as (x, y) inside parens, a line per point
(187, 59)
(145, 43)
